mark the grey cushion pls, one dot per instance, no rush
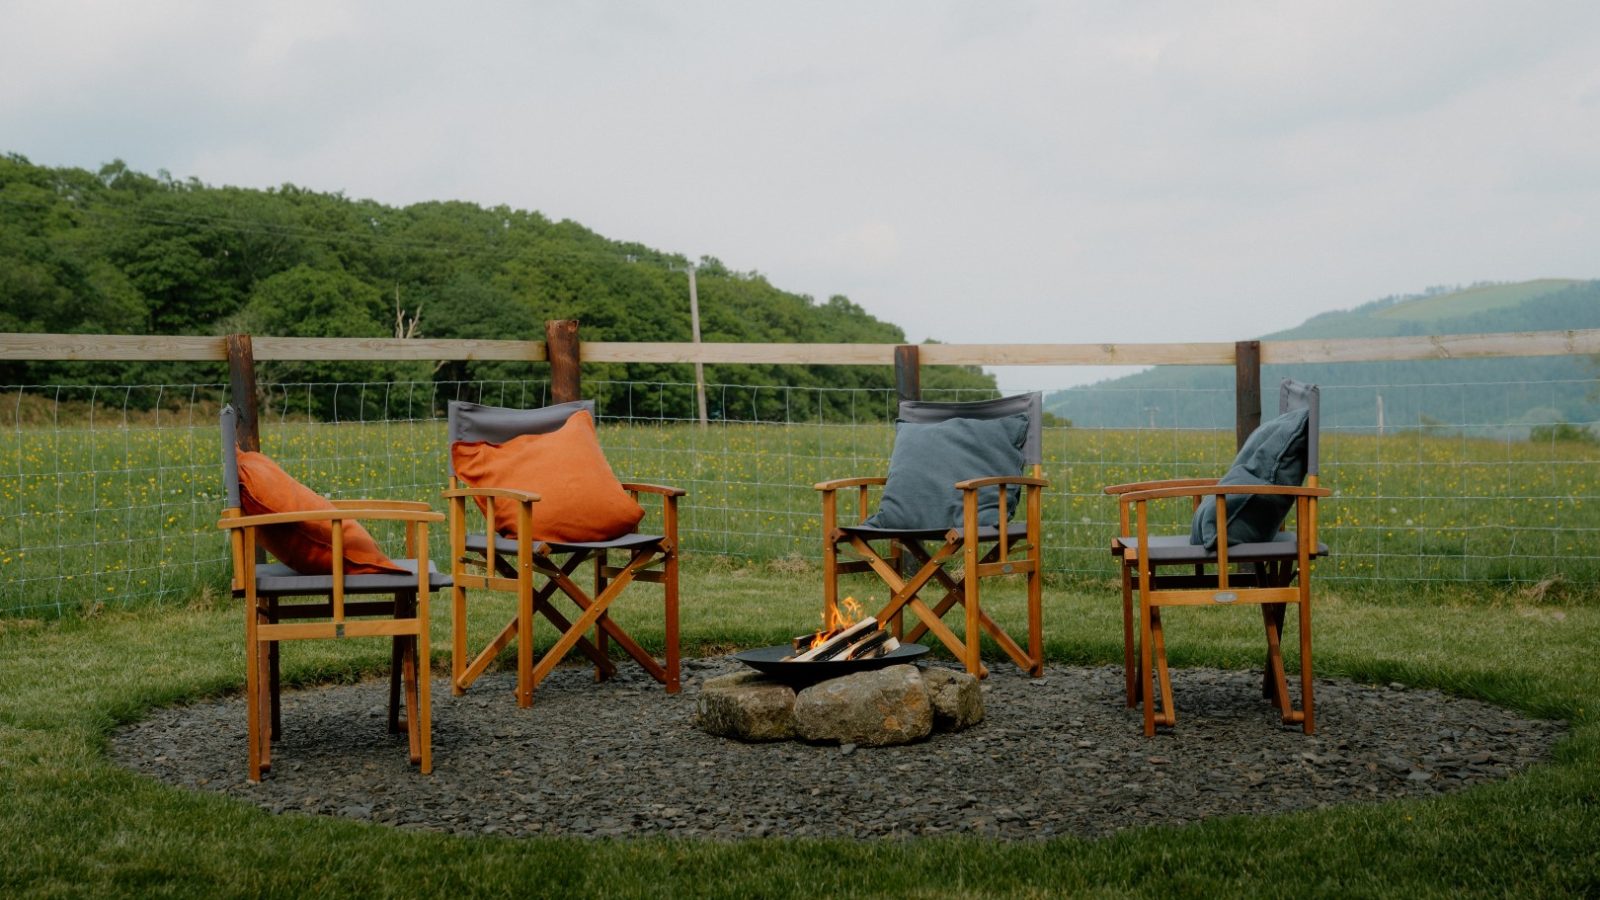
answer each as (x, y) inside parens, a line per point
(1275, 453)
(1030, 405)
(498, 424)
(928, 460)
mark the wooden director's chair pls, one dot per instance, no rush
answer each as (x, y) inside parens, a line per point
(1268, 567)
(538, 570)
(964, 470)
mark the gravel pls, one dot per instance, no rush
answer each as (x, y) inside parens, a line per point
(1058, 755)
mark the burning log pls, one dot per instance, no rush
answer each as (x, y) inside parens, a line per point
(865, 639)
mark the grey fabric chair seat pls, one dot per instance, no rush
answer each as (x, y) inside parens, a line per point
(1015, 530)
(277, 579)
(477, 543)
(1175, 549)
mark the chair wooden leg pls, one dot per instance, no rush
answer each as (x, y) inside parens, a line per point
(974, 639)
(274, 683)
(898, 558)
(458, 640)
(830, 579)
(1036, 618)
(424, 717)
(670, 590)
(397, 652)
(413, 717)
(1129, 664)
(1308, 722)
(1145, 666)
(264, 730)
(252, 689)
(1168, 713)
(525, 663)
(601, 641)
(1272, 619)
(1280, 683)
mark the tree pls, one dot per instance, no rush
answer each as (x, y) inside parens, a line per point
(307, 302)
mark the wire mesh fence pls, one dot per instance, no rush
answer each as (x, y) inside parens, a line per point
(111, 494)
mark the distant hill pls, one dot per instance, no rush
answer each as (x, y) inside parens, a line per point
(1438, 394)
(120, 252)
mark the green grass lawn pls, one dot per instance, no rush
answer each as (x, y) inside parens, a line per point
(74, 824)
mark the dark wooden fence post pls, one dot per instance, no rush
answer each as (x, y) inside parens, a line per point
(1246, 389)
(242, 388)
(561, 348)
(908, 372)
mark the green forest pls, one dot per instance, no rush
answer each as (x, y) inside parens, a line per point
(1491, 397)
(122, 252)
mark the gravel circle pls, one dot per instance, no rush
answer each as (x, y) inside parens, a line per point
(1058, 755)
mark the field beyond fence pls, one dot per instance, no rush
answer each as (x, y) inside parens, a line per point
(110, 494)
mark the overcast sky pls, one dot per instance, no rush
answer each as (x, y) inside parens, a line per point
(1072, 172)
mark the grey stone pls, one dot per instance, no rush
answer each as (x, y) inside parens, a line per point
(746, 706)
(881, 708)
(956, 697)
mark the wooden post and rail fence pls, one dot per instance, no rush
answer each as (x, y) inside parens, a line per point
(565, 353)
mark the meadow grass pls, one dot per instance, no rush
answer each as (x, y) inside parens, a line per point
(91, 516)
(76, 825)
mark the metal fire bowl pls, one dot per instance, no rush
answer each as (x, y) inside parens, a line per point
(770, 661)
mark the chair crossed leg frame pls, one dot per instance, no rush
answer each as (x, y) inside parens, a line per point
(1145, 654)
(610, 581)
(905, 595)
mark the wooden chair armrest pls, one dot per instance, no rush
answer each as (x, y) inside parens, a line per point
(419, 505)
(497, 493)
(972, 484)
(653, 489)
(327, 515)
(842, 483)
(1154, 485)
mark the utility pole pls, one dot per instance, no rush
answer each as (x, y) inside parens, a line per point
(699, 367)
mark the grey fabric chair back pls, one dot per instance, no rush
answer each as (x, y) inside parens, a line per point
(1299, 395)
(498, 424)
(1030, 405)
(230, 455)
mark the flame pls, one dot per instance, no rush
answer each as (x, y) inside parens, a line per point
(848, 613)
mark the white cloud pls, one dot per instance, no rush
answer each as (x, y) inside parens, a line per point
(1089, 172)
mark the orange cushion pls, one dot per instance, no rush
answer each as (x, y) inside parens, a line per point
(306, 547)
(580, 498)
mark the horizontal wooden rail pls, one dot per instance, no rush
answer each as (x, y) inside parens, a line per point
(86, 347)
(150, 348)
(1440, 346)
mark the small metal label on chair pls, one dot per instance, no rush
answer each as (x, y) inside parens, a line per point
(1225, 596)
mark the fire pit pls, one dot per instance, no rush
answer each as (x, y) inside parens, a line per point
(776, 662)
(839, 649)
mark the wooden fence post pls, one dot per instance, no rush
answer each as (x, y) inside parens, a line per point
(907, 372)
(561, 347)
(242, 390)
(1246, 389)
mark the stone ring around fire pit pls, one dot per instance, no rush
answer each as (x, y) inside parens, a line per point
(897, 704)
